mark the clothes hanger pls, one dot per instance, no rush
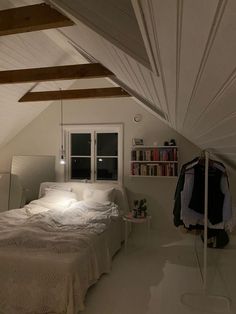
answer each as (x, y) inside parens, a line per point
(201, 159)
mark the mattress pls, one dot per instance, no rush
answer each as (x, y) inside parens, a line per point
(48, 265)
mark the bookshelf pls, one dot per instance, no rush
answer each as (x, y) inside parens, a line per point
(154, 161)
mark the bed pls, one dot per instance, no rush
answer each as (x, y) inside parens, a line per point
(56, 247)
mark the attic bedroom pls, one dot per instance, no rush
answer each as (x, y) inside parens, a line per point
(117, 156)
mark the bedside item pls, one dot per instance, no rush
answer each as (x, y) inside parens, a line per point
(140, 209)
(129, 220)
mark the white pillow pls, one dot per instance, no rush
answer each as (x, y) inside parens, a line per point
(61, 187)
(59, 193)
(99, 196)
(55, 199)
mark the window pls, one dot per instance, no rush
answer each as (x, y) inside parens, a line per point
(94, 152)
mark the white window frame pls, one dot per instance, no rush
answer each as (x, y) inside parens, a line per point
(93, 129)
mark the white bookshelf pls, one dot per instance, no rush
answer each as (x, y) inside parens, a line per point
(154, 161)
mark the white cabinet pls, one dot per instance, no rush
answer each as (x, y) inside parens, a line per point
(4, 191)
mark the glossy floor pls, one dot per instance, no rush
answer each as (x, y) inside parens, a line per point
(162, 276)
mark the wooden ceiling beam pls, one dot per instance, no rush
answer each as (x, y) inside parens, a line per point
(31, 18)
(75, 94)
(65, 72)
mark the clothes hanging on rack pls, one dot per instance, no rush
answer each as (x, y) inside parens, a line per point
(190, 217)
(178, 190)
(189, 196)
(206, 300)
(215, 196)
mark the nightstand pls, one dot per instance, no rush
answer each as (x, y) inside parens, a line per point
(129, 220)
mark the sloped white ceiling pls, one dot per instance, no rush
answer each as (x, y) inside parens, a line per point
(114, 20)
(29, 50)
(26, 51)
(192, 43)
(196, 41)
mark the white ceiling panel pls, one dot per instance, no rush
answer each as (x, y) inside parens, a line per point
(127, 70)
(29, 50)
(219, 65)
(193, 35)
(113, 20)
(161, 21)
(192, 43)
(220, 116)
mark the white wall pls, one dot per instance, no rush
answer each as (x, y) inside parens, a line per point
(42, 137)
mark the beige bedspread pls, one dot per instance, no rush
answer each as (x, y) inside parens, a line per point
(49, 259)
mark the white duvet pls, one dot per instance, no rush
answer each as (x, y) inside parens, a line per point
(49, 256)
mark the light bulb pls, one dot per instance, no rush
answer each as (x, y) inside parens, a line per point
(62, 160)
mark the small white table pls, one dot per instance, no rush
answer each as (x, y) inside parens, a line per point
(129, 219)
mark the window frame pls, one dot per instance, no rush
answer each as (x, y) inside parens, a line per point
(93, 129)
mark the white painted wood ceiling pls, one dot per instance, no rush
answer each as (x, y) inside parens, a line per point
(29, 50)
(191, 44)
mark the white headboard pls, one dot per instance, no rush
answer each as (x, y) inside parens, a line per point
(78, 188)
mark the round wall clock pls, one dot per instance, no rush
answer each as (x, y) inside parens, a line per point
(137, 117)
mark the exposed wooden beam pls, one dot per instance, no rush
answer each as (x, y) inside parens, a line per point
(75, 94)
(66, 72)
(31, 18)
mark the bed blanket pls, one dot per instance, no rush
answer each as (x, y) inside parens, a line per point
(49, 257)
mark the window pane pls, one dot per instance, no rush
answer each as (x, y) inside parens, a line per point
(80, 168)
(81, 144)
(107, 144)
(107, 168)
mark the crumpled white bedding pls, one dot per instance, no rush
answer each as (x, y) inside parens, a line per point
(49, 257)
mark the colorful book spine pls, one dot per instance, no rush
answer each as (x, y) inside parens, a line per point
(163, 161)
(175, 154)
(156, 155)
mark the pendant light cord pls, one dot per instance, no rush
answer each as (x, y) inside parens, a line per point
(62, 153)
(62, 142)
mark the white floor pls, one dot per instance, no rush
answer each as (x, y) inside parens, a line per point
(153, 277)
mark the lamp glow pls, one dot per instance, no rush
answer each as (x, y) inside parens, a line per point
(62, 160)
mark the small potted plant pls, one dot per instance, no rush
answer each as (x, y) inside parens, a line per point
(135, 209)
(140, 208)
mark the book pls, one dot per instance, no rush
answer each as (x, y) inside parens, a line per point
(143, 169)
(175, 154)
(148, 155)
(156, 154)
(136, 171)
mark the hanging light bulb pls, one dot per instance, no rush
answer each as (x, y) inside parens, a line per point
(62, 152)
(62, 160)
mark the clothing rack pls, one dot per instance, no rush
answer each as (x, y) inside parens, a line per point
(205, 221)
(204, 301)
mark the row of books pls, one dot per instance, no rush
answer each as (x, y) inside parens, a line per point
(155, 154)
(139, 169)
